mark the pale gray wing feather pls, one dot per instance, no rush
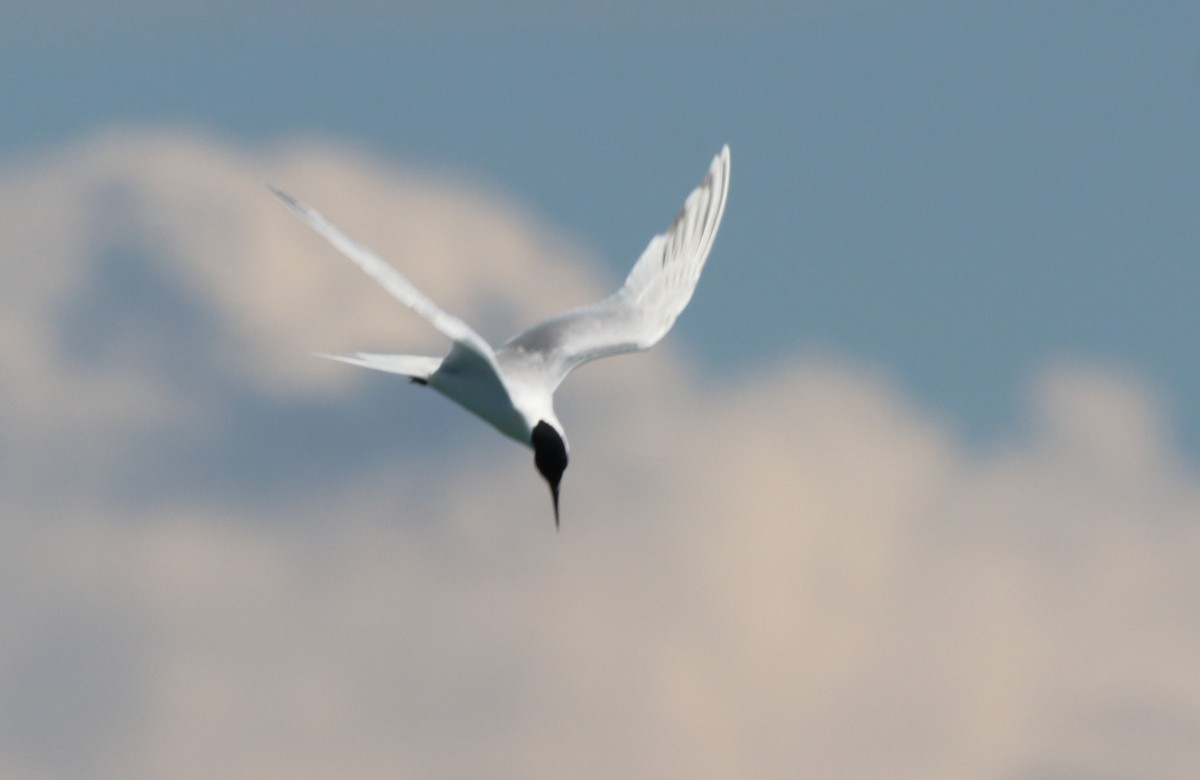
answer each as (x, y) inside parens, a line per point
(657, 289)
(391, 279)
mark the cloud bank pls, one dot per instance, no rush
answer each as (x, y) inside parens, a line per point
(222, 557)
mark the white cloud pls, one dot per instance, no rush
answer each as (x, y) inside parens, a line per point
(798, 572)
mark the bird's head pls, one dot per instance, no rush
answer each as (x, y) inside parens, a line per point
(550, 457)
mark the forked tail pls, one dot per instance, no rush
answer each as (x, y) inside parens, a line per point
(418, 367)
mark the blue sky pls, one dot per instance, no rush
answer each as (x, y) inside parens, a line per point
(955, 194)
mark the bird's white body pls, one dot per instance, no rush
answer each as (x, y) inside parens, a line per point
(512, 387)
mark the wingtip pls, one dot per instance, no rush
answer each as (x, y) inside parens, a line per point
(280, 193)
(721, 161)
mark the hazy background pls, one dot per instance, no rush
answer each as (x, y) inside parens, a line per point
(911, 491)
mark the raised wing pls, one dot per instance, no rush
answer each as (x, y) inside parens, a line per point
(391, 279)
(657, 289)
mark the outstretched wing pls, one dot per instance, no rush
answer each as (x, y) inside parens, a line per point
(655, 292)
(391, 279)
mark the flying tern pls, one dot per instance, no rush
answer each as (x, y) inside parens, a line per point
(512, 387)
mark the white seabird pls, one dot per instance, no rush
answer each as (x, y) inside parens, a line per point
(512, 387)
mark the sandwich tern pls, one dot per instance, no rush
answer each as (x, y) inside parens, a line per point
(512, 387)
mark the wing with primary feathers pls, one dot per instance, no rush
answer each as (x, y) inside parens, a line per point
(391, 279)
(656, 291)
